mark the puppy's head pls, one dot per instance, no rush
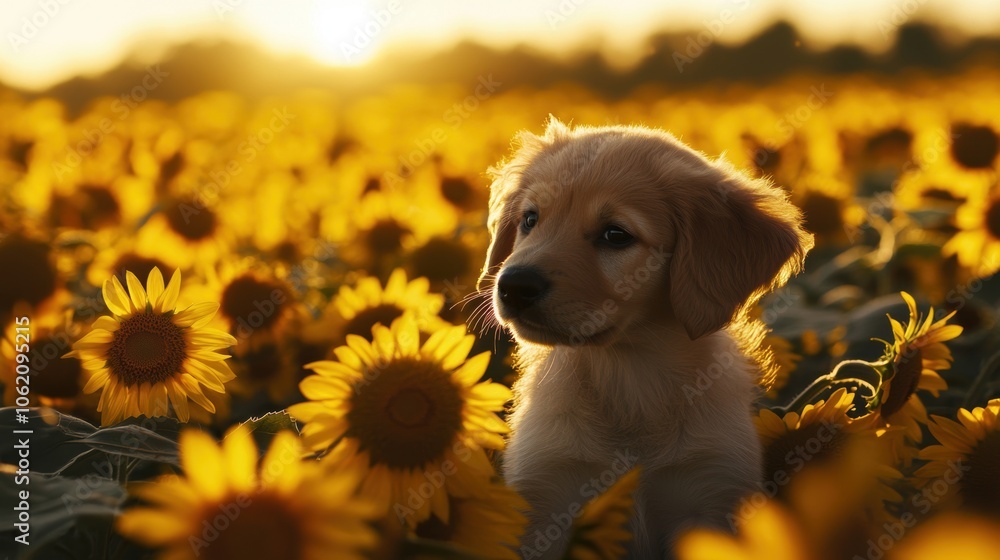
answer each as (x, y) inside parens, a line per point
(599, 231)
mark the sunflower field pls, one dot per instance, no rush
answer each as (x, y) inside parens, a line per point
(243, 328)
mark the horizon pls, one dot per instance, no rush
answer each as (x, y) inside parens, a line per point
(50, 43)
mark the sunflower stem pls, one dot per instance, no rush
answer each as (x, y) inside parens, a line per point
(832, 379)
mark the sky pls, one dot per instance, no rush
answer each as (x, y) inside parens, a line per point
(48, 41)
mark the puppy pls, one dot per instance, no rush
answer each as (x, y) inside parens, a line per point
(623, 263)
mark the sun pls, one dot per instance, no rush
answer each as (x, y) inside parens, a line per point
(350, 33)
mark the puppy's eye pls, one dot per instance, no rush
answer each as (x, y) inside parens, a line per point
(616, 236)
(530, 220)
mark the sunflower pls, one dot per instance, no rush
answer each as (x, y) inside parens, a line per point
(825, 438)
(951, 535)
(186, 231)
(32, 277)
(407, 414)
(355, 310)
(257, 304)
(226, 507)
(602, 529)
(977, 244)
(770, 534)
(270, 367)
(490, 524)
(148, 355)
(917, 353)
(966, 460)
(385, 225)
(55, 382)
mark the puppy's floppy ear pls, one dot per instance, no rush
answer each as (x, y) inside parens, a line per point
(737, 239)
(503, 219)
(503, 230)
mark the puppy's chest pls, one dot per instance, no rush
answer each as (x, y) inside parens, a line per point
(596, 415)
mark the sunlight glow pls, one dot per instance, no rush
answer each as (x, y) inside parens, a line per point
(41, 48)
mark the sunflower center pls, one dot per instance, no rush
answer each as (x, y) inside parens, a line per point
(136, 264)
(146, 348)
(408, 415)
(363, 322)
(257, 302)
(441, 259)
(978, 485)
(822, 214)
(409, 408)
(974, 147)
(386, 237)
(268, 527)
(908, 366)
(993, 218)
(28, 272)
(814, 444)
(191, 220)
(55, 378)
(457, 191)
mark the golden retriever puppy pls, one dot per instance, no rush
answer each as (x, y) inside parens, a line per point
(619, 260)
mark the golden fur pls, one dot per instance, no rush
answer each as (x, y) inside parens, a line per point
(631, 356)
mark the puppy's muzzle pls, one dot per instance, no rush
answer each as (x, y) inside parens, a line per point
(519, 288)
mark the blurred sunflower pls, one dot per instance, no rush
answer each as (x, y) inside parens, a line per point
(952, 535)
(602, 529)
(55, 382)
(186, 231)
(287, 508)
(384, 226)
(491, 524)
(974, 146)
(399, 410)
(114, 255)
(977, 244)
(966, 459)
(355, 310)
(821, 435)
(770, 534)
(36, 279)
(913, 359)
(270, 367)
(257, 305)
(86, 206)
(148, 355)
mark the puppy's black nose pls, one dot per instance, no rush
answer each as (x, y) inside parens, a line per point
(520, 287)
